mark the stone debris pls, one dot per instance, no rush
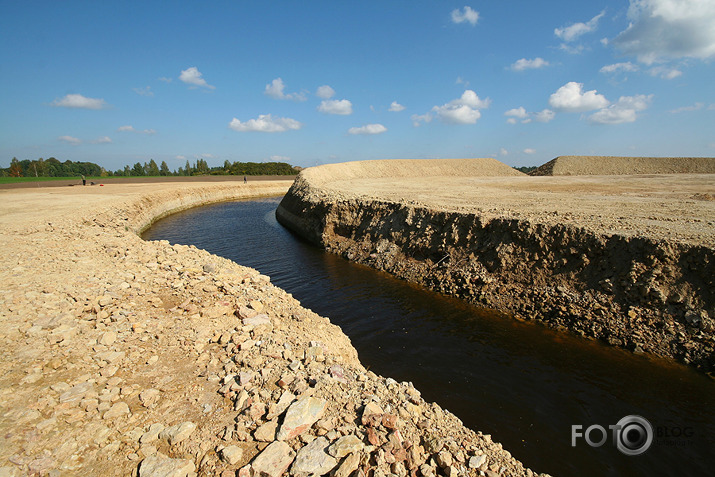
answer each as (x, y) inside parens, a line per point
(274, 460)
(126, 357)
(155, 466)
(313, 459)
(300, 416)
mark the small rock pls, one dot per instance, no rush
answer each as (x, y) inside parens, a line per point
(476, 461)
(152, 434)
(257, 320)
(313, 459)
(372, 414)
(160, 466)
(256, 305)
(348, 466)
(76, 393)
(300, 416)
(149, 397)
(274, 460)
(231, 454)
(349, 444)
(108, 338)
(266, 432)
(178, 433)
(118, 409)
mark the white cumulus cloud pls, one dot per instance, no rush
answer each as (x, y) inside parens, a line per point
(465, 15)
(524, 64)
(70, 140)
(515, 114)
(662, 30)
(265, 123)
(102, 140)
(325, 92)
(619, 67)
(571, 99)
(464, 110)
(622, 111)
(665, 72)
(336, 106)
(131, 129)
(519, 112)
(80, 102)
(575, 30)
(529, 150)
(682, 109)
(368, 129)
(275, 88)
(396, 107)
(544, 116)
(193, 76)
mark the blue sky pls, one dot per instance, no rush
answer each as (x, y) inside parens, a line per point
(317, 82)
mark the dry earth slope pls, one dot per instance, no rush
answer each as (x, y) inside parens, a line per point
(628, 259)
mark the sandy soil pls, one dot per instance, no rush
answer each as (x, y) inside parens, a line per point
(141, 180)
(675, 206)
(120, 356)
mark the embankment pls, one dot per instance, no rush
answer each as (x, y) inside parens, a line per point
(125, 357)
(623, 262)
(617, 165)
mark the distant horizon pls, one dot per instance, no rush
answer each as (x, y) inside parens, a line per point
(325, 82)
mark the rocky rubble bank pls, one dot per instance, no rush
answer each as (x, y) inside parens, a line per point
(644, 294)
(126, 357)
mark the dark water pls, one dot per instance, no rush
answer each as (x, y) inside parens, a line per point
(524, 384)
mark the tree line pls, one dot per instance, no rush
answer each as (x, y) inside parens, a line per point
(52, 167)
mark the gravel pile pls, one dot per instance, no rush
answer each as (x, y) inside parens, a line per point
(612, 165)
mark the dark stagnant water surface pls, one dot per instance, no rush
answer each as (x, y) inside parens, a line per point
(524, 384)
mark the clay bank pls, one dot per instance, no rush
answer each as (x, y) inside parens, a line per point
(126, 357)
(625, 257)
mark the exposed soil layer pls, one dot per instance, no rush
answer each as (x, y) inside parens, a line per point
(125, 357)
(139, 180)
(625, 259)
(614, 165)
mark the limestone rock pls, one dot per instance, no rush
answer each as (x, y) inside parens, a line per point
(300, 416)
(274, 460)
(118, 409)
(231, 454)
(345, 445)
(266, 432)
(149, 397)
(313, 459)
(348, 465)
(178, 432)
(161, 466)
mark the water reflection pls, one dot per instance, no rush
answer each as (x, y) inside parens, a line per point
(521, 382)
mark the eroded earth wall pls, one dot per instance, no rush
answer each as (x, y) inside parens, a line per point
(645, 295)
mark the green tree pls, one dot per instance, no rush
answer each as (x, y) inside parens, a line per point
(187, 168)
(164, 169)
(151, 169)
(138, 169)
(15, 168)
(202, 167)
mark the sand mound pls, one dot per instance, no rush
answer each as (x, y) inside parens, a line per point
(393, 168)
(612, 165)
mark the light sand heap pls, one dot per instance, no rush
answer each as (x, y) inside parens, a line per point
(613, 165)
